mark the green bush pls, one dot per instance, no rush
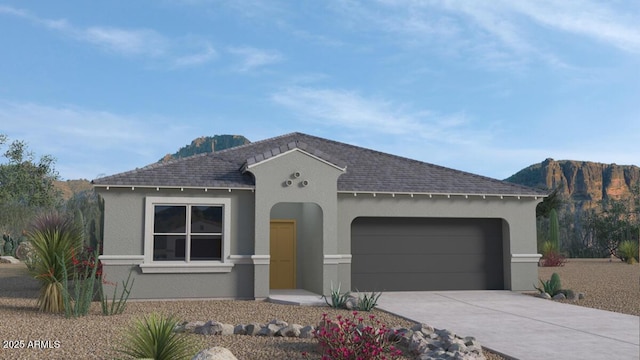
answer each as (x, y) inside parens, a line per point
(338, 299)
(368, 301)
(152, 337)
(551, 286)
(54, 239)
(628, 251)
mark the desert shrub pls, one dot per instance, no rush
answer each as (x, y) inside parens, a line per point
(117, 306)
(54, 239)
(152, 337)
(367, 302)
(553, 259)
(628, 251)
(355, 338)
(338, 299)
(78, 302)
(551, 286)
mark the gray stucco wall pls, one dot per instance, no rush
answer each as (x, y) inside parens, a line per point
(270, 177)
(124, 237)
(518, 216)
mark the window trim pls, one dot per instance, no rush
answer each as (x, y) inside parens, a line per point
(179, 266)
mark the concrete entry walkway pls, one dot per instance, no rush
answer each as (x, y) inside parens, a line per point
(521, 326)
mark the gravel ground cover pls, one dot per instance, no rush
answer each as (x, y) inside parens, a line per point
(613, 286)
(608, 285)
(95, 336)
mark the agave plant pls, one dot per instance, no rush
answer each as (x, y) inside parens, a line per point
(152, 337)
(338, 299)
(54, 239)
(551, 286)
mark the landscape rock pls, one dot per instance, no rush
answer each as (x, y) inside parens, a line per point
(351, 303)
(239, 330)
(306, 332)
(252, 329)
(292, 330)
(269, 330)
(9, 260)
(215, 353)
(581, 296)
(559, 296)
(543, 295)
(421, 340)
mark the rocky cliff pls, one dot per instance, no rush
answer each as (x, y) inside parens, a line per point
(582, 184)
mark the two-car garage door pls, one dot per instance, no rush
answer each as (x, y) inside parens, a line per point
(423, 254)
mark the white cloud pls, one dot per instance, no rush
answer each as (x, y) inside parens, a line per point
(127, 42)
(347, 109)
(207, 54)
(586, 18)
(88, 142)
(498, 33)
(252, 58)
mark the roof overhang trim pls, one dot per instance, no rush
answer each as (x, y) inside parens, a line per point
(181, 188)
(436, 194)
(247, 166)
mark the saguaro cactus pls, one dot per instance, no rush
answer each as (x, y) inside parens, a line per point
(554, 229)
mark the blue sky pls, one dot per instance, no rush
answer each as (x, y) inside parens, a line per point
(488, 87)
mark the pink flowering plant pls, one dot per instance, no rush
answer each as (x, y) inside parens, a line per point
(353, 338)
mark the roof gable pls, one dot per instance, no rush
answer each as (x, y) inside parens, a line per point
(367, 170)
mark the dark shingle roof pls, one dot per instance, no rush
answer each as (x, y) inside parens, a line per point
(366, 170)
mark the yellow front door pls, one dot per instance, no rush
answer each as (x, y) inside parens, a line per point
(282, 268)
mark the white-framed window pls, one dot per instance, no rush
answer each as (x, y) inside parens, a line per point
(184, 234)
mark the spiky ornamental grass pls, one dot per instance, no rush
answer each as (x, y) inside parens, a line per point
(55, 238)
(152, 337)
(628, 251)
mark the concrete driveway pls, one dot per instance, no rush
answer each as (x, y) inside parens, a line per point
(521, 326)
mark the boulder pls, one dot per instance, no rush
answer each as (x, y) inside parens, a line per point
(559, 296)
(215, 353)
(306, 332)
(543, 295)
(292, 330)
(239, 330)
(269, 330)
(252, 329)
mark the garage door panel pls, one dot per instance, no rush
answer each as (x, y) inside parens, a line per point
(433, 263)
(422, 244)
(413, 281)
(426, 254)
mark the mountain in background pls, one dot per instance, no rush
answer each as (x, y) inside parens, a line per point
(204, 144)
(70, 187)
(207, 144)
(582, 184)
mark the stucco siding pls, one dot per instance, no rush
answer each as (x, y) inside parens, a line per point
(518, 216)
(124, 236)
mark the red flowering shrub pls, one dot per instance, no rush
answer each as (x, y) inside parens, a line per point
(85, 261)
(355, 339)
(553, 258)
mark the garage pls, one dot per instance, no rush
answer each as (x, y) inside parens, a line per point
(426, 254)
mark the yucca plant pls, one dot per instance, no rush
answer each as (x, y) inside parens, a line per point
(152, 337)
(338, 299)
(368, 301)
(54, 239)
(628, 250)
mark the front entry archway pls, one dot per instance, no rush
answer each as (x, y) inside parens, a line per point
(307, 248)
(282, 267)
